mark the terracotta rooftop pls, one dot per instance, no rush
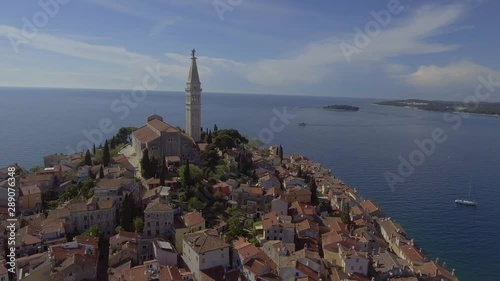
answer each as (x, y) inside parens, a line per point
(205, 241)
(157, 206)
(192, 219)
(145, 134)
(369, 206)
(256, 266)
(412, 254)
(307, 225)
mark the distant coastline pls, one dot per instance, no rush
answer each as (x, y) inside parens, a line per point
(484, 108)
(341, 107)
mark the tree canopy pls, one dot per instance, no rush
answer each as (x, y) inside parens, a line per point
(189, 175)
(210, 157)
(106, 158)
(88, 158)
(228, 139)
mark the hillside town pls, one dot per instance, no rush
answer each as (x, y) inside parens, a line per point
(159, 203)
(287, 218)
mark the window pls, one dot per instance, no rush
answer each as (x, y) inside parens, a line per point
(222, 255)
(360, 268)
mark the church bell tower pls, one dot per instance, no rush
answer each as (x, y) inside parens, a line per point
(193, 101)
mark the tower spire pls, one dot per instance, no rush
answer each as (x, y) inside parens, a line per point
(193, 101)
(193, 76)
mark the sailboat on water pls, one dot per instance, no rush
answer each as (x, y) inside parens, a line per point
(469, 201)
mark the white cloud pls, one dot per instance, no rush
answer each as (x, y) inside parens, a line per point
(400, 38)
(458, 75)
(161, 25)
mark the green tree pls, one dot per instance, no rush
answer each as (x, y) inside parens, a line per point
(101, 172)
(314, 192)
(191, 177)
(118, 229)
(127, 209)
(93, 149)
(154, 164)
(195, 204)
(112, 143)
(209, 137)
(215, 128)
(163, 168)
(106, 158)
(138, 225)
(86, 188)
(88, 158)
(228, 139)
(123, 135)
(91, 175)
(346, 217)
(145, 163)
(93, 231)
(186, 175)
(235, 229)
(210, 157)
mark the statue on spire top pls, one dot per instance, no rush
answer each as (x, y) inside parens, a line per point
(193, 52)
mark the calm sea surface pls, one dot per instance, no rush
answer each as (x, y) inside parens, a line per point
(358, 146)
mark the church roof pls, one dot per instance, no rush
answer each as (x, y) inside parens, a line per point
(193, 76)
(145, 134)
(149, 132)
(162, 126)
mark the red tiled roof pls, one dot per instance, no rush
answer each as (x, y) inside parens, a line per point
(193, 218)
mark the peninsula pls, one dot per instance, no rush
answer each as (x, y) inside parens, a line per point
(161, 203)
(341, 107)
(446, 106)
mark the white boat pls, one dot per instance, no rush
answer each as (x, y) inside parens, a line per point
(469, 201)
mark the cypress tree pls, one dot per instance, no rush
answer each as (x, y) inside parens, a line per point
(209, 137)
(162, 171)
(187, 174)
(91, 175)
(145, 163)
(93, 149)
(88, 158)
(314, 192)
(101, 172)
(112, 144)
(215, 128)
(106, 158)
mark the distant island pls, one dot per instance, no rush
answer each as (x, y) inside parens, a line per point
(446, 106)
(341, 107)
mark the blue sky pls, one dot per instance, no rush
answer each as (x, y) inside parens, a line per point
(427, 49)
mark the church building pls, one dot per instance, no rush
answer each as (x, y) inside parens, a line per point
(163, 139)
